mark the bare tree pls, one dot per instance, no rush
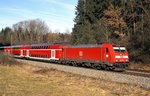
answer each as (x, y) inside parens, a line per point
(30, 31)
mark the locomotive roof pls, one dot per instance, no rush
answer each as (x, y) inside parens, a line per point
(118, 45)
(14, 46)
(38, 44)
(46, 44)
(84, 46)
(1, 47)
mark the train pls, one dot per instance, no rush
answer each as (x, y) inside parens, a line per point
(103, 56)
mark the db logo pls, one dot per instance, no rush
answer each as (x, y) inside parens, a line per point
(80, 53)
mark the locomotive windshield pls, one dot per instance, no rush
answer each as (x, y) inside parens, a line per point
(119, 49)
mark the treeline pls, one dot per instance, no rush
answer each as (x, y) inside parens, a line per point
(32, 32)
(96, 22)
(115, 21)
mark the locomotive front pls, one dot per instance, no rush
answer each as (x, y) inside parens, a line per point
(121, 58)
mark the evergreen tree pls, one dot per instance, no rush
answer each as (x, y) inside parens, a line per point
(79, 22)
(100, 7)
(139, 41)
(6, 35)
(88, 11)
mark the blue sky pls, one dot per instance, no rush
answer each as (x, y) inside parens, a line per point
(57, 14)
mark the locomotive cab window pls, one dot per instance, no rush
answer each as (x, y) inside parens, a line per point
(119, 49)
(116, 49)
(122, 49)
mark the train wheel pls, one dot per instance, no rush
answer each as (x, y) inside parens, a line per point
(74, 63)
(103, 67)
(88, 64)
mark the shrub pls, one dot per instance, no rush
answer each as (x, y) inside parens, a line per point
(7, 59)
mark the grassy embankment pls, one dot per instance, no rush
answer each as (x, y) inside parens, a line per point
(25, 80)
(139, 66)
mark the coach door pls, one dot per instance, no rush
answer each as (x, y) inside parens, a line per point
(53, 54)
(21, 53)
(107, 57)
(27, 53)
(105, 54)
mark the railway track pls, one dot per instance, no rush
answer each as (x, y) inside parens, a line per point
(137, 70)
(141, 73)
(134, 72)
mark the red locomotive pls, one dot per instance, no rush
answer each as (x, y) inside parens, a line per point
(104, 56)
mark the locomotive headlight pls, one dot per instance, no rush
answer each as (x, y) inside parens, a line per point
(117, 57)
(125, 56)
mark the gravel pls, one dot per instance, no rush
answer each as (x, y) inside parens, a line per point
(105, 75)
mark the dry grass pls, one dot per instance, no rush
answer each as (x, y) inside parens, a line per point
(33, 81)
(140, 66)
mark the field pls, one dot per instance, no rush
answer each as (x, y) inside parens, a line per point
(28, 80)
